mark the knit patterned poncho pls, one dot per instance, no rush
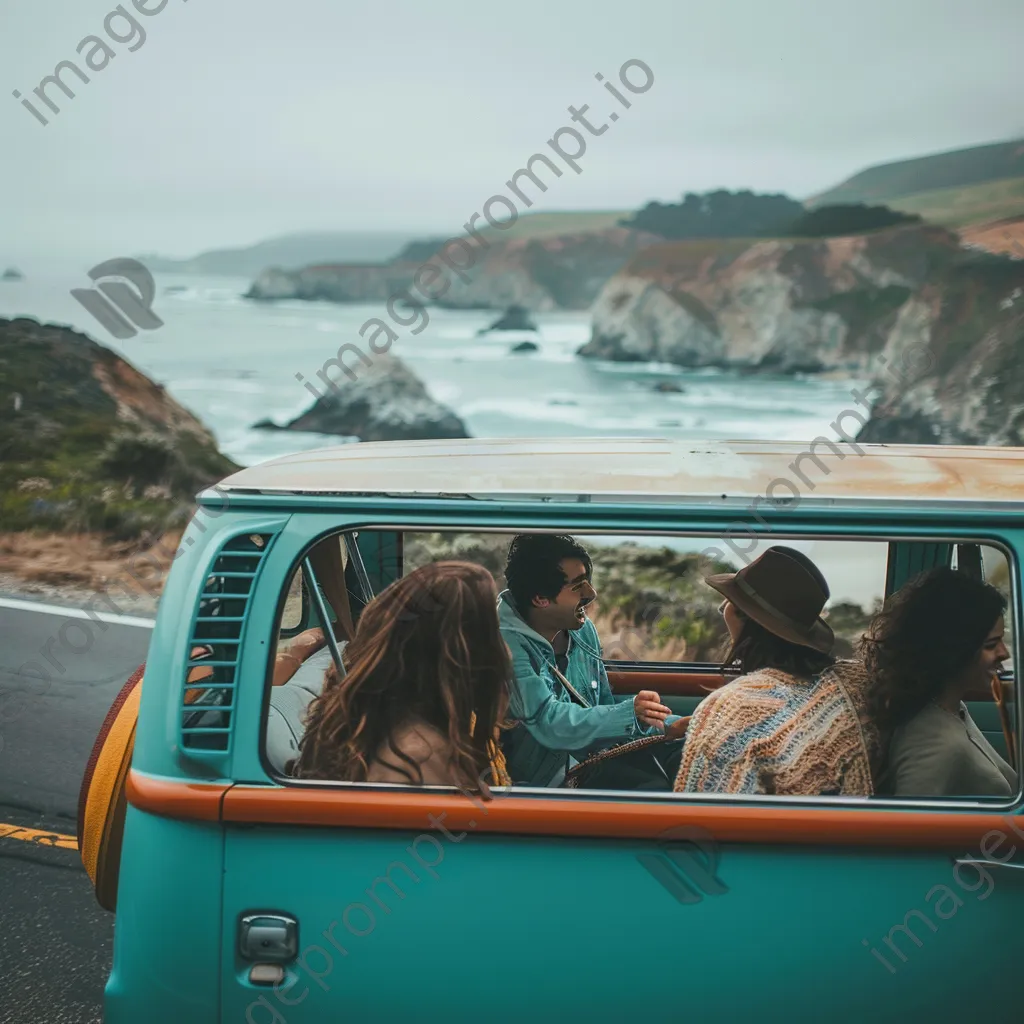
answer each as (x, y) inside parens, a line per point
(768, 732)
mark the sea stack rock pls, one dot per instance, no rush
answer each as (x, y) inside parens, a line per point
(515, 318)
(386, 402)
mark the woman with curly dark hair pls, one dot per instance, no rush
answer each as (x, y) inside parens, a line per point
(938, 637)
(424, 691)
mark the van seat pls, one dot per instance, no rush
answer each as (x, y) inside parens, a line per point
(288, 704)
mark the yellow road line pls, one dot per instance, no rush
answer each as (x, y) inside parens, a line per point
(40, 838)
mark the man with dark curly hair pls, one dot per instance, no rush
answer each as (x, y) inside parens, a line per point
(561, 694)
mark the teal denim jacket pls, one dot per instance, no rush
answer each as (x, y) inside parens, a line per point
(552, 726)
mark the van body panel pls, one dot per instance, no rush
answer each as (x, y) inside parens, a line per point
(507, 928)
(167, 941)
(515, 925)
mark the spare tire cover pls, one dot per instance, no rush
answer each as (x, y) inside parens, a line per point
(101, 800)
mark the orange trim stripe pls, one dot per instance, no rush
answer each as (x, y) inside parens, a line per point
(353, 808)
(360, 808)
(170, 798)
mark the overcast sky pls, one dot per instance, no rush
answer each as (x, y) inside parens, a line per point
(240, 119)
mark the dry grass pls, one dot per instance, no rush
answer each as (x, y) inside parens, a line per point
(85, 563)
(966, 205)
(1005, 237)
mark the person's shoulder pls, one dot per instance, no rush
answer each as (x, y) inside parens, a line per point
(589, 633)
(930, 756)
(928, 720)
(747, 691)
(510, 622)
(729, 692)
(848, 671)
(424, 744)
(421, 740)
(759, 679)
(931, 729)
(508, 614)
(312, 673)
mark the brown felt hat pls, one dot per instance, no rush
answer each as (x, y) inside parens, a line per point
(784, 591)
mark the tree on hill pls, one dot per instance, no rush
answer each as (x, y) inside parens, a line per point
(724, 214)
(846, 219)
(720, 214)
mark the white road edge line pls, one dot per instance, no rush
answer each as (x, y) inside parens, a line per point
(76, 613)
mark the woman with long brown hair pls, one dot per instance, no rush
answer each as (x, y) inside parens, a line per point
(425, 687)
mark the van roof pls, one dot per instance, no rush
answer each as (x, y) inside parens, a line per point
(646, 469)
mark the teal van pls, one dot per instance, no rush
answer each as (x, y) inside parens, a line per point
(243, 895)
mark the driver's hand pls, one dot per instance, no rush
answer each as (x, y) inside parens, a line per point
(648, 708)
(677, 730)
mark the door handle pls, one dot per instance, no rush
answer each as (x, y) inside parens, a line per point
(1010, 865)
(268, 938)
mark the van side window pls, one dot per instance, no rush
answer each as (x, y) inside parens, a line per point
(653, 624)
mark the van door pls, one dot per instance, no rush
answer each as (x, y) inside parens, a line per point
(447, 921)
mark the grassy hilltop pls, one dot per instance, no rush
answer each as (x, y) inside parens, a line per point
(88, 443)
(955, 189)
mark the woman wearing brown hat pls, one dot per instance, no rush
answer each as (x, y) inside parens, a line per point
(795, 722)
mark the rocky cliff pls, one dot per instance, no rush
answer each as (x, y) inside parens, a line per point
(782, 305)
(964, 384)
(562, 272)
(87, 442)
(388, 402)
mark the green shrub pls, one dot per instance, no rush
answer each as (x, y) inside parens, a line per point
(144, 458)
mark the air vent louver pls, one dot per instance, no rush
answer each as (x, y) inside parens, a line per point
(208, 704)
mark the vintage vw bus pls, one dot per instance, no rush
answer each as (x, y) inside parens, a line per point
(243, 894)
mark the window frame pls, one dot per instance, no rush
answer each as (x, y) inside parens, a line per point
(813, 528)
(304, 608)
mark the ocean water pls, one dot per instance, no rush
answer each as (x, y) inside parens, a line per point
(233, 362)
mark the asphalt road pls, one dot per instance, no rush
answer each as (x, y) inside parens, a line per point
(55, 941)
